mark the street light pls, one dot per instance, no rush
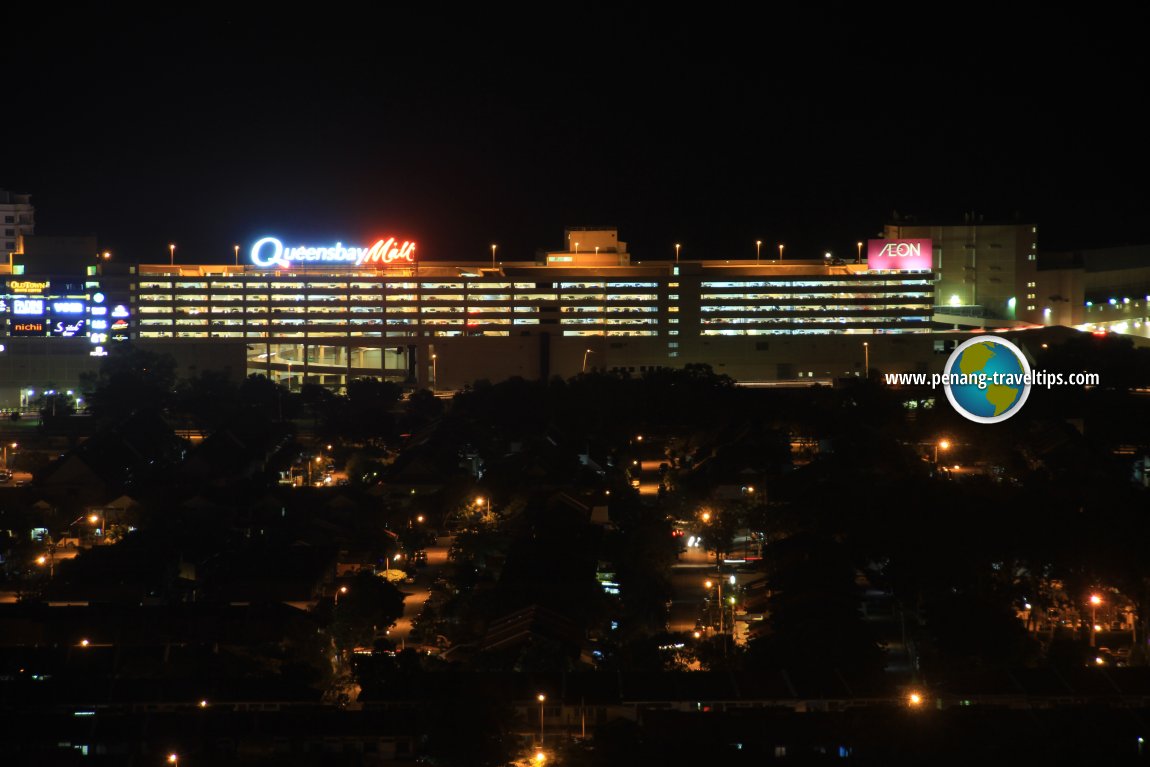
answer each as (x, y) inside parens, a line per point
(12, 445)
(942, 444)
(866, 359)
(237, 247)
(718, 585)
(780, 251)
(677, 246)
(585, 353)
(758, 248)
(493, 246)
(1095, 600)
(98, 521)
(172, 253)
(859, 243)
(541, 698)
(914, 699)
(173, 758)
(434, 371)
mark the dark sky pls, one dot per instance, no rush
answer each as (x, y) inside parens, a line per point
(711, 129)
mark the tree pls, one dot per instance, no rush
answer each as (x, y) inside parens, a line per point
(207, 398)
(815, 619)
(129, 379)
(55, 405)
(368, 608)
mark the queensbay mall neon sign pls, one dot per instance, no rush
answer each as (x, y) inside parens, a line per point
(271, 253)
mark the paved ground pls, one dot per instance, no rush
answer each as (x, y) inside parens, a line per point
(416, 594)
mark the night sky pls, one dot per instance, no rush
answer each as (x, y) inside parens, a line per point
(710, 130)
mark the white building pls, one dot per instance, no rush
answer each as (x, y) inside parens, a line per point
(17, 219)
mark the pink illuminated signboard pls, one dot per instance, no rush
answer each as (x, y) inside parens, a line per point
(902, 255)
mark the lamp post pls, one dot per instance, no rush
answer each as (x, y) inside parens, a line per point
(237, 248)
(493, 246)
(7, 445)
(718, 585)
(859, 260)
(100, 521)
(758, 248)
(677, 246)
(1095, 600)
(866, 359)
(585, 353)
(172, 253)
(942, 444)
(434, 371)
(780, 251)
(541, 698)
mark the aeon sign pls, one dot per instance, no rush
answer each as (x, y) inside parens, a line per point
(900, 255)
(270, 252)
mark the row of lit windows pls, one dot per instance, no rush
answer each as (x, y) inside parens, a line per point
(856, 294)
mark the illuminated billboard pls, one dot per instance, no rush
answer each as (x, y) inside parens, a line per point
(899, 255)
(29, 328)
(28, 287)
(270, 252)
(28, 307)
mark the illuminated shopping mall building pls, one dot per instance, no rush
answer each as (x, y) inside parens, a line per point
(324, 314)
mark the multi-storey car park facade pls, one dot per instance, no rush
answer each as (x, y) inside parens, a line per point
(330, 314)
(443, 324)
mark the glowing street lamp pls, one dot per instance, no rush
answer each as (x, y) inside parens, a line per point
(541, 698)
(237, 248)
(942, 444)
(677, 246)
(758, 249)
(585, 353)
(718, 586)
(172, 253)
(859, 243)
(493, 246)
(1095, 600)
(434, 371)
(780, 251)
(914, 699)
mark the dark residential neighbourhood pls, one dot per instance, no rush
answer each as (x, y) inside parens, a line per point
(598, 386)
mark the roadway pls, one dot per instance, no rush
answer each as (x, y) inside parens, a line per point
(416, 595)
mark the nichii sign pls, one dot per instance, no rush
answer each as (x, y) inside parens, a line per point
(899, 255)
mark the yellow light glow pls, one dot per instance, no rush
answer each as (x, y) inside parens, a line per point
(1095, 599)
